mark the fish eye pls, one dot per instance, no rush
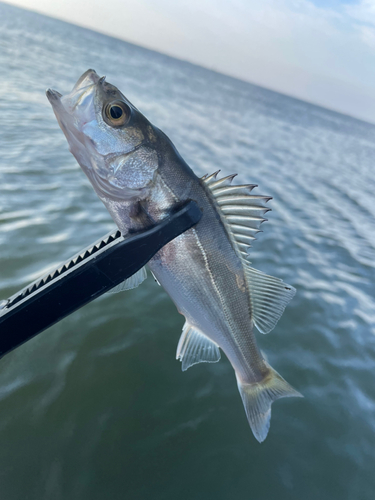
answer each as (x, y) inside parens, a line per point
(116, 113)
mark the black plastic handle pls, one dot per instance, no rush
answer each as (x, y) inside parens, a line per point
(85, 277)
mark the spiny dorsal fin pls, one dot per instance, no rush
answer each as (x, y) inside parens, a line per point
(131, 282)
(194, 347)
(242, 214)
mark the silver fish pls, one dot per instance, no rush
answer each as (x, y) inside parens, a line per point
(140, 177)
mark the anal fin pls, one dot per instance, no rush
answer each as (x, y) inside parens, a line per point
(194, 347)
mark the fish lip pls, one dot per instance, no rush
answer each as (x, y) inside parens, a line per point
(89, 77)
(53, 95)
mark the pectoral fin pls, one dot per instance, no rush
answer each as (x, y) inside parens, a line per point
(194, 347)
(131, 282)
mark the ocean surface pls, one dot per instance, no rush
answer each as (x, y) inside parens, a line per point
(97, 407)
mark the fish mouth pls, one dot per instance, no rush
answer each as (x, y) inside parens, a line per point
(76, 108)
(85, 81)
(53, 95)
(89, 77)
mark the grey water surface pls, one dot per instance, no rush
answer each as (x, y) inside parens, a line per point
(97, 407)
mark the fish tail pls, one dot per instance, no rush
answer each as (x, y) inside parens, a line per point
(258, 397)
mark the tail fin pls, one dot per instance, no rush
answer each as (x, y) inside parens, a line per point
(258, 397)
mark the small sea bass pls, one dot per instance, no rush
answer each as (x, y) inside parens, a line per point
(140, 177)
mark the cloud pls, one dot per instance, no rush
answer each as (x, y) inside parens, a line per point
(324, 53)
(363, 16)
(363, 11)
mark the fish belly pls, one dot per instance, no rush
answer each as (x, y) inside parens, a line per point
(203, 276)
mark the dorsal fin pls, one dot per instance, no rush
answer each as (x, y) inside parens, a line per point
(242, 213)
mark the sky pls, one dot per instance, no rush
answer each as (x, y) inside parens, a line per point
(321, 51)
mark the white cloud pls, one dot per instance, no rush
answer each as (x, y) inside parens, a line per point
(363, 11)
(368, 35)
(363, 16)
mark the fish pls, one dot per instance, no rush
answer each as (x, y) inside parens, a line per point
(140, 177)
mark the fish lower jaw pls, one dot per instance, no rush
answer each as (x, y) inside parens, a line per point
(53, 95)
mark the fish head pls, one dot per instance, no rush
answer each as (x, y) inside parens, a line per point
(110, 139)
